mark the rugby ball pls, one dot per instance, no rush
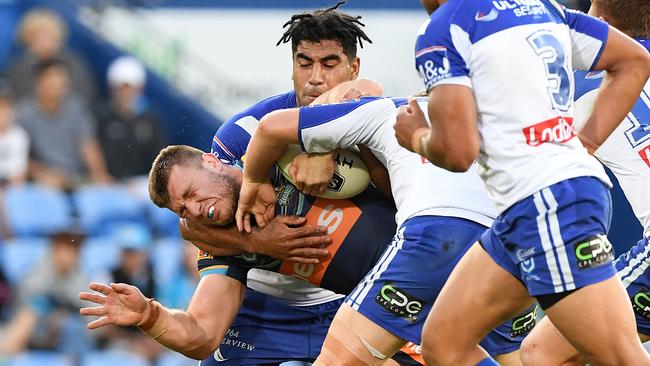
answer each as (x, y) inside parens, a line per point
(350, 178)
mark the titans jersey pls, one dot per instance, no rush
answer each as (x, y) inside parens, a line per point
(419, 188)
(517, 56)
(287, 280)
(627, 150)
(360, 229)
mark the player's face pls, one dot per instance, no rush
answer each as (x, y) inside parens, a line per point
(207, 193)
(320, 66)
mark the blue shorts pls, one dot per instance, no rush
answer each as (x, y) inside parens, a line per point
(632, 269)
(555, 240)
(397, 294)
(268, 331)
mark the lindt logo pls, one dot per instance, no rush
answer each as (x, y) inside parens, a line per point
(556, 130)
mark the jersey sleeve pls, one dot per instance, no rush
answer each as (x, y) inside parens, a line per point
(231, 139)
(439, 51)
(588, 38)
(323, 128)
(209, 265)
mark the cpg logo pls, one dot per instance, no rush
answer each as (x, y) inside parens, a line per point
(399, 302)
(557, 130)
(641, 303)
(594, 252)
(523, 324)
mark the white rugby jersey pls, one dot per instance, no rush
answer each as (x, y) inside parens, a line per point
(627, 150)
(517, 56)
(419, 187)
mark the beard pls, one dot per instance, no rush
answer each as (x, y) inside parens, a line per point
(228, 194)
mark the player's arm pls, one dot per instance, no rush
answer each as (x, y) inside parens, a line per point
(286, 238)
(628, 67)
(195, 333)
(378, 172)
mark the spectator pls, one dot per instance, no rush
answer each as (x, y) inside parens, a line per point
(48, 301)
(135, 269)
(64, 151)
(129, 132)
(177, 292)
(43, 33)
(14, 143)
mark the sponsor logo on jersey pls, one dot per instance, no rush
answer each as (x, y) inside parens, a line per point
(483, 17)
(645, 155)
(203, 255)
(231, 339)
(436, 66)
(641, 303)
(399, 302)
(523, 254)
(523, 324)
(594, 252)
(528, 265)
(339, 216)
(557, 130)
(521, 7)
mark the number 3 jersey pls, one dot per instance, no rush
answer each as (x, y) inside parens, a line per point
(627, 150)
(517, 56)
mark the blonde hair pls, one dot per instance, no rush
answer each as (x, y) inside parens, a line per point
(37, 19)
(173, 155)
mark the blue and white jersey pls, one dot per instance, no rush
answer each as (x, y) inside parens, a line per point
(517, 56)
(231, 139)
(627, 150)
(419, 187)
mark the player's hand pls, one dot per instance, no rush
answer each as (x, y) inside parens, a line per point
(288, 238)
(119, 304)
(352, 94)
(312, 173)
(258, 199)
(410, 118)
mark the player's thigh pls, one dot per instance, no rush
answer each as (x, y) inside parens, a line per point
(598, 321)
(398, 293)
(353, 339)
(508, 359)
(545, 345)
(478, 297)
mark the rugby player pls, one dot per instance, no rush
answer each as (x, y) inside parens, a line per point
(625, 152)
(507, 64)
(324, 50)
(389, 306)
(183, 177)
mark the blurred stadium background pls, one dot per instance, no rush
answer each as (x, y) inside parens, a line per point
(205, 60)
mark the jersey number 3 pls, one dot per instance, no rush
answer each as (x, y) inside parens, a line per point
(549, 48)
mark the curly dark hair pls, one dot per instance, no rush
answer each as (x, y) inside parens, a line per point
(630, 16)
(326, 24)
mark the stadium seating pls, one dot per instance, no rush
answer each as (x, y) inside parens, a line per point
(174, 359)
(20, 255)
(99, 255)
(163, 221)
(101, 207)
(34, 210)
(166, 257)
(113, 358)
(34, 358)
